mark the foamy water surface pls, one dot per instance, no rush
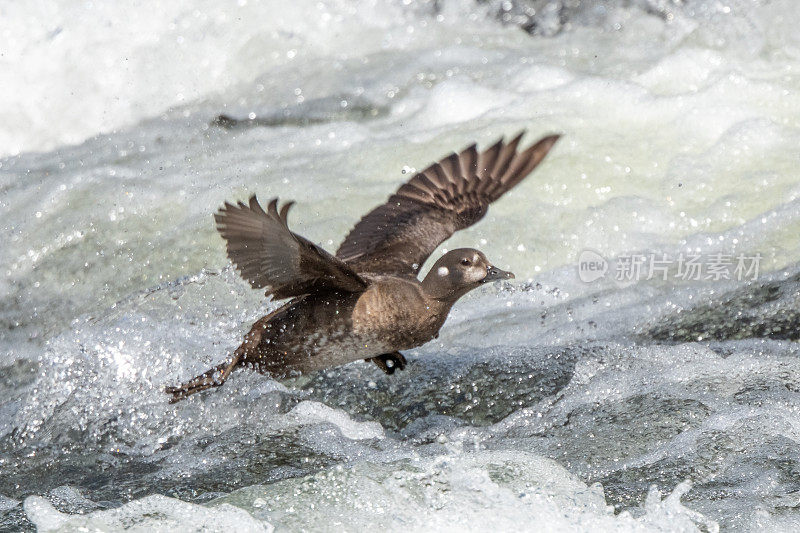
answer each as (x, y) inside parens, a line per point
(616, 405)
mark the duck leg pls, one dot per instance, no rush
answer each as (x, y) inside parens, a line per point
(211, 378)
(216, 376)
(389, 362)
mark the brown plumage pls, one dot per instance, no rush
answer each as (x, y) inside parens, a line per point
(269, 255)
(366, 302)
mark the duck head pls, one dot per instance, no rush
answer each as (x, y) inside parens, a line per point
(459, 271)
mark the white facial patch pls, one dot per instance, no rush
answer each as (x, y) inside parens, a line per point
(443, 271)
(476, 274)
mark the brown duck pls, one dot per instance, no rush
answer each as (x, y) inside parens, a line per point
(366, 302)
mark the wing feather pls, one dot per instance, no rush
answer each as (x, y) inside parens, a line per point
(452, 194)
(270, 256)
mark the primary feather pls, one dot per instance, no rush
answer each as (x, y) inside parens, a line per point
(398, 236)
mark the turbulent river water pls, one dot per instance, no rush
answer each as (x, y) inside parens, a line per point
(609, 387)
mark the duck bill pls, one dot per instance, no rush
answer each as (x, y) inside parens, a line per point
(495, 274)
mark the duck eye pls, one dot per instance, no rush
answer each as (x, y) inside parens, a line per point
(466, 262)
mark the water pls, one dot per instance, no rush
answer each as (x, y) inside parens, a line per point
(610, 405)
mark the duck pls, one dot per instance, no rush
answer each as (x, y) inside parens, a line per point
(366, 302)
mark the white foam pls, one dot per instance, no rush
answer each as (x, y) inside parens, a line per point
(71, 70)
(454, 102)
(504, 491)
(309, 412)
(507, 491)
(152, 513)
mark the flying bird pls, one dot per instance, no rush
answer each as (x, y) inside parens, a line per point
(366, 302)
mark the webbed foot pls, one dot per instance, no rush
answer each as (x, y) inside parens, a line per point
(389, 362)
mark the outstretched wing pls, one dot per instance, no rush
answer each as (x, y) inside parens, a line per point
(269, 255)
(398, 236)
